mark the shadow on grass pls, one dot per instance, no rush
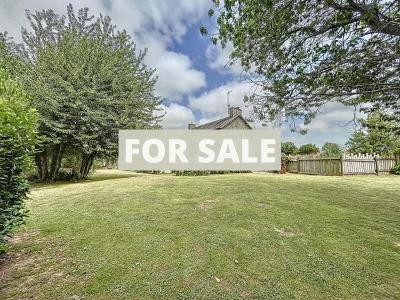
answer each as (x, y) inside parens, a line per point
(99, 175)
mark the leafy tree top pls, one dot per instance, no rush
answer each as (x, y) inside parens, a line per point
(304, 54)
(378, 133)
(308, 149)
(331, 149)
(289, 148)
(86, 79)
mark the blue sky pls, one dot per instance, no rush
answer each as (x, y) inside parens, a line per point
(193, 77)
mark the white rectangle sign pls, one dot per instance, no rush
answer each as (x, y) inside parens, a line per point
(227, 150)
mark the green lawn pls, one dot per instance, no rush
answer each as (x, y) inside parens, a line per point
(237, 236)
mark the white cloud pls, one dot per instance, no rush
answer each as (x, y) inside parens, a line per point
(219, 60)
(153, 24)
(12, 13)
(171, 18)
(332, 124)
(176, 75)
(332, 115)
(176, 116)
(213, 103)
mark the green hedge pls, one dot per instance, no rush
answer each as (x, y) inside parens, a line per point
(17, 139)
(396, 169)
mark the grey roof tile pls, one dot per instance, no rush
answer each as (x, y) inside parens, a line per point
(221, 123)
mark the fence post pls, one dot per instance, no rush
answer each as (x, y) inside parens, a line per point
(376, 165)
(342, 157)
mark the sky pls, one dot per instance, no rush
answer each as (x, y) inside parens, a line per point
(193, 76)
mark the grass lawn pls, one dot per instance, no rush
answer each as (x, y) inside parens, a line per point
(237, 236)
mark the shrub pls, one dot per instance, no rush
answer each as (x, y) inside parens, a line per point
(205, 173)
(17, 139)
(191, 173)
(396, 169)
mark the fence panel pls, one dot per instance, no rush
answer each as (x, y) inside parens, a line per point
(348, 164)
(320, 166)
(359, 164)
(293, 166)
(385, 165)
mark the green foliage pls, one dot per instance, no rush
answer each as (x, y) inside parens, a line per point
(308, 149)
(396, 169)
(9, 60)
(17, 139)
(87, 81)
(331, 150)
(203, 30)
(289, 148)
(359, 143)
(377, 134)
(307, 53)
(191, 173)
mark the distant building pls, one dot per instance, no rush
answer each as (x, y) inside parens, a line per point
(235, 120)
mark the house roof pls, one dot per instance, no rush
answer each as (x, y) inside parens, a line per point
(221, 123)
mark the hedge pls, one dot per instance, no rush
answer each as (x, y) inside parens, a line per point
(17, 140)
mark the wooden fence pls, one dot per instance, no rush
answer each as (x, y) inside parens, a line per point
(361, 164)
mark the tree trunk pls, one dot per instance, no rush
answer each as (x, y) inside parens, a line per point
(38, 162)
(55, 162)
(83, 166)
(86, 165)
(44, 164)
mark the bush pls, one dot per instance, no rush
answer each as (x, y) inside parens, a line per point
(191, 173)
(396, 169)
(205, 173)
(17, 139)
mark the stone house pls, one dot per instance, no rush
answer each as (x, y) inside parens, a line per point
(234, 120)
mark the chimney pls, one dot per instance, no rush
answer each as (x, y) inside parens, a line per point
(191, 126)
(235, 111)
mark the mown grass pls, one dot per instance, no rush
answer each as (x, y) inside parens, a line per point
(237, 236)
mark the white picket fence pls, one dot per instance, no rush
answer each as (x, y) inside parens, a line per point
(367, 164)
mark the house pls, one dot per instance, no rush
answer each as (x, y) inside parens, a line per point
(234, 120)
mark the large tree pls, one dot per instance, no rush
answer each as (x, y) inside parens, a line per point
(304, 54)
(376, 134)
(87, 81)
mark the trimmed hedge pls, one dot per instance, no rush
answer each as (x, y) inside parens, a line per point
(17, 140)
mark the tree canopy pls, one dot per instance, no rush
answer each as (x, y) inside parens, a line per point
(331, 149)
(303, 54)
(289, 148)
(87, 80)
(377, 134)
(308, 149)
